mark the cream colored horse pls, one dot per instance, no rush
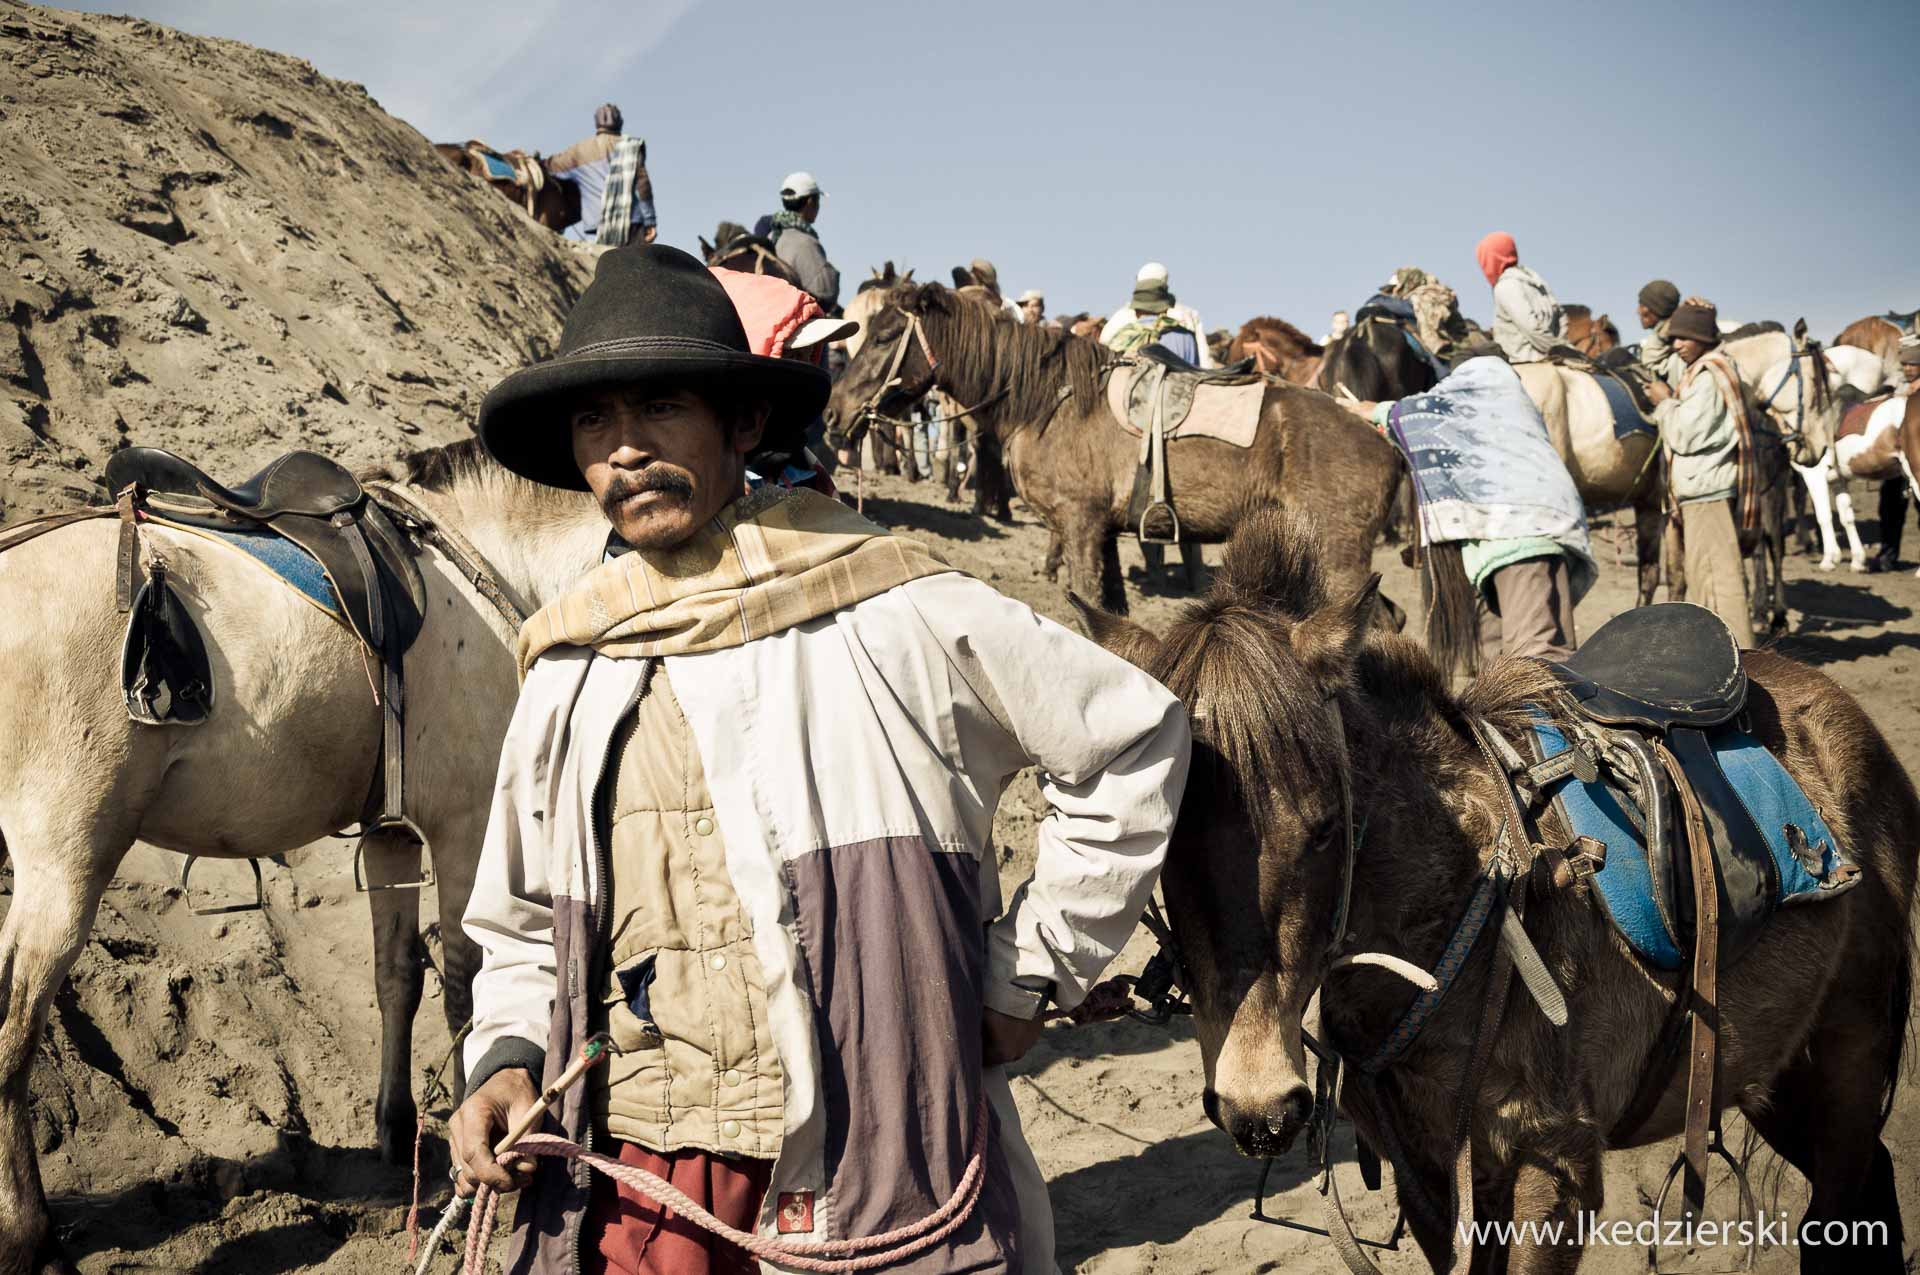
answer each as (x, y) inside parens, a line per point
(286, 757)
(1607, 470)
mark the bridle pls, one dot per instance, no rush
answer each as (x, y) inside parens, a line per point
(1811, 350)
(870, 413)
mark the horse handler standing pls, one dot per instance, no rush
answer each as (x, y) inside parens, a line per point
(743, 825)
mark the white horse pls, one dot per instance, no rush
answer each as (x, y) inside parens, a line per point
(285, 758)
(1866, 372)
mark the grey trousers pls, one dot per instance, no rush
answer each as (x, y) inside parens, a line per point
(1716, 574)
(1535, 599)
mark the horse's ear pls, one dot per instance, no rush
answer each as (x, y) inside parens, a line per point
(1329, 640)
(706, 249)
(1800, 328)
(1118, 634)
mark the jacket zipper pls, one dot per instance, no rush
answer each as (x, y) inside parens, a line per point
(602, 917)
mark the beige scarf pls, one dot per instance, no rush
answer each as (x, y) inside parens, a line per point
(771, 560)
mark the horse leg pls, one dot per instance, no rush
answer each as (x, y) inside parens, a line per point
(1823, 1117)
(1196, 563)
(459, 954)
(1819, 488)
(1051, 566)
(1647, 526)
(398, 980)
(1843, 504)
(55, 896)
(1549, 1194)
(1113, 586)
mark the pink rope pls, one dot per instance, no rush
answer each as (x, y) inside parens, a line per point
(829, 1256)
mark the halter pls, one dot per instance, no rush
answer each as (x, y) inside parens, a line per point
(916, 331)
(1794, 374)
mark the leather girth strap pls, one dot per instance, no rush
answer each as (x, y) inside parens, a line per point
(126, 572)
(1703, 1112)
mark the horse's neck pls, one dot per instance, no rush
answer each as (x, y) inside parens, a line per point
(537, 544)
(1752, 357)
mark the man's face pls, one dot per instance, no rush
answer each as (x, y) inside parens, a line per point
(1912, 372)
(811, 209)
(1690, 349)
(1033, 311)
(660, 460)
(1648, 319)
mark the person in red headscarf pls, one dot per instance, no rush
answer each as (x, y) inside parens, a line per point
(1527, 321)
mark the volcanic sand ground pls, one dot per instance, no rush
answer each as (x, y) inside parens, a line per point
(205, 1101)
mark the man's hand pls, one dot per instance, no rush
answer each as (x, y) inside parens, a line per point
(482, 1120)
(1657, 391)
(1005, 1038)
(652, 233)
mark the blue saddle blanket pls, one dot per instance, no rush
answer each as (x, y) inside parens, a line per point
(1626, 413)
(290, 562)
(1625, 883)
(499, 169)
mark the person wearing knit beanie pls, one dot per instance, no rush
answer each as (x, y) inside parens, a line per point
(1700, 433)
(1658, 300)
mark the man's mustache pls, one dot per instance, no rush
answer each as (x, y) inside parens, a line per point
(658, 478)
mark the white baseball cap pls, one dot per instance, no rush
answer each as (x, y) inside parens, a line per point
(1032, 294)
(1152, 272)
(816, 331)
(799, 185)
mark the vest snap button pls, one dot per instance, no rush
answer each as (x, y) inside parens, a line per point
(703, 826)
(730, 1129)
(718, 961)
(732, 1077)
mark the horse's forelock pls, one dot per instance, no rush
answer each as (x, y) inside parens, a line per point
(1273, 561)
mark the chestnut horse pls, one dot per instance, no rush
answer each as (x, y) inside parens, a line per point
(1278, 349)
(1332, 761)
(1040, 393)
(1590, 335)
(1878, 335)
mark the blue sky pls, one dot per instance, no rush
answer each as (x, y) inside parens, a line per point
(1281, 158)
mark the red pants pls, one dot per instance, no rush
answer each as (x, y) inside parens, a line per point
(627, 1234)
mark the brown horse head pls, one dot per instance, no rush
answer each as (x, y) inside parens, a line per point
(1590, 334)
(1256, 869)
(1278, 349)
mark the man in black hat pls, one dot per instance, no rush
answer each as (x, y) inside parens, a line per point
(743, 827)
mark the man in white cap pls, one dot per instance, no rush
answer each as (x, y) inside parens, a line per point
(1153, 299)
(1033, 307)
(797, 243)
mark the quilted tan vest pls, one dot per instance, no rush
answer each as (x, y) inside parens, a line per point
(703, 1073)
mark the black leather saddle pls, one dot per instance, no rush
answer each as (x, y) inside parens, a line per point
(1659, 678)
(1177, 366)
(1658, 667)
(312, 501)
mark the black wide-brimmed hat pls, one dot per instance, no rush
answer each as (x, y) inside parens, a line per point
(652, 313)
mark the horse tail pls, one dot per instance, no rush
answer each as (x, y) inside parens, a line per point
(1453, 626)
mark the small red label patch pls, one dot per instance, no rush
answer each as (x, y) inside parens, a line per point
(796, 1212)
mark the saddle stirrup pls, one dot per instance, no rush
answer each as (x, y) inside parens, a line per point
(259, 903)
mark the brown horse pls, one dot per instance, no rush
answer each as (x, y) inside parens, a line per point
(1879, 335)
(1040, 394)
(1278, 349)
(1590, 335)
(1295, 700)
(736, 248)
(521, 178)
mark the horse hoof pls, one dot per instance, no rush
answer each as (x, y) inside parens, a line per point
(1824, 565)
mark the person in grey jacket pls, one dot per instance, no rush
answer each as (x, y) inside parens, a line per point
(1527, 320)
(797, 243)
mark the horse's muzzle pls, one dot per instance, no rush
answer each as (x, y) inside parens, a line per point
(1263, 1131)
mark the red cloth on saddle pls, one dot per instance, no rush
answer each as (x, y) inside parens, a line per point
(1854, 420)
(1495, 253)
(627, 1234)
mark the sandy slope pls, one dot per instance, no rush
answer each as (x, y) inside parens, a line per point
(214, 248)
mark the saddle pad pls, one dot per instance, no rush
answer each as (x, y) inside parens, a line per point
(1627, 420)
(1229, 413)
(294, 565)
(1854, 420)
(1625, 884)
(499, 169)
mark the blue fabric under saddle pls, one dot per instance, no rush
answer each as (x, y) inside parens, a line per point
(1625, 883)
(1626, 413)
(288, 561)
(499, 169)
